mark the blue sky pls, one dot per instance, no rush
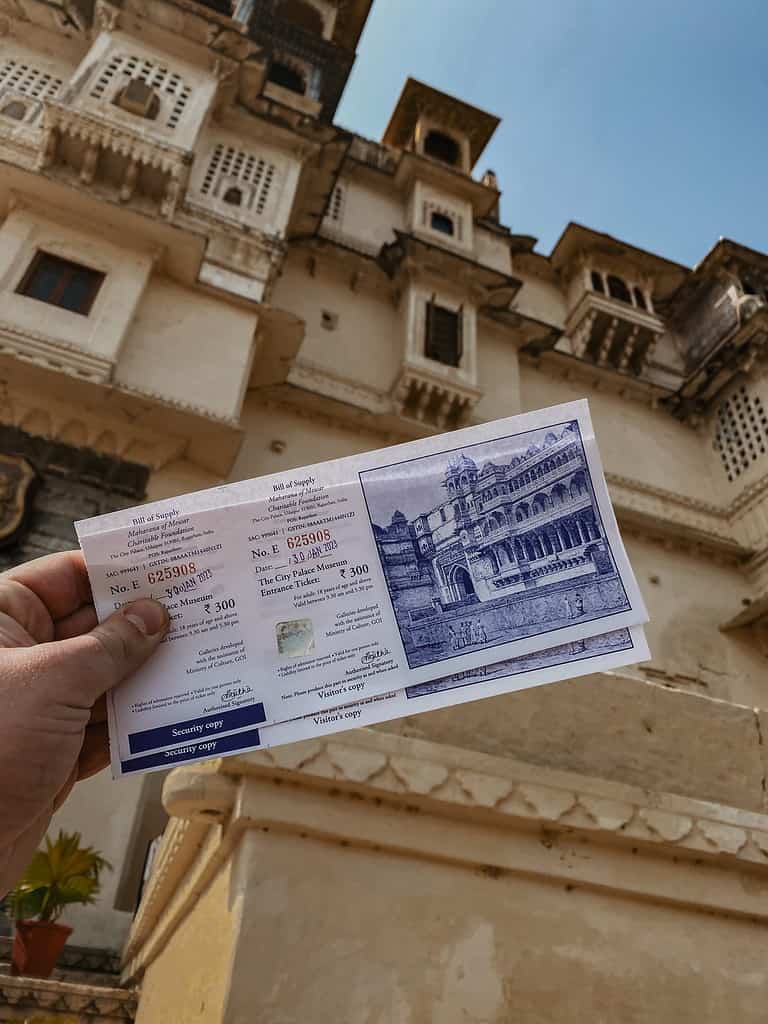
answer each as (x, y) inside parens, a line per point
(648, 121)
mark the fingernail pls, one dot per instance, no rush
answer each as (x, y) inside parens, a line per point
(148, 616)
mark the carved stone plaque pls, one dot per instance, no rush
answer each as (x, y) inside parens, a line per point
(17, 486)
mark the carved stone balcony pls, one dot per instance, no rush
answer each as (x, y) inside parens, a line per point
(102, 152)
(431, 399)
(737, 336)
(613, 333)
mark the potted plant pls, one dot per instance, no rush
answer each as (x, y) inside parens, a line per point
(62, 873)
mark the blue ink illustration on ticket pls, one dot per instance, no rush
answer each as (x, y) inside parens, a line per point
(492, 542)
(575, 650)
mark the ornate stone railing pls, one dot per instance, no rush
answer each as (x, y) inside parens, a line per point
(96, 134)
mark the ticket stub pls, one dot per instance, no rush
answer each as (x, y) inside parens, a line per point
(311, 589)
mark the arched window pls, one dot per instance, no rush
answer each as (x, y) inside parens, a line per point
(15, 109)
(597, 282)
(302, 15)
(639, 299)
(578, 485)
(286, 77)
(233, 196)
(559, 494)
(618, 290)
(442, 147)
(442, 223)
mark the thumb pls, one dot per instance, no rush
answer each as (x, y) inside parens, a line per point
(94, 662)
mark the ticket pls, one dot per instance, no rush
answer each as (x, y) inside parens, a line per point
(312, 589)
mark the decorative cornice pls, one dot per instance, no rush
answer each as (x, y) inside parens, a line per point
(689, 520)
(313, 377)
(229, 227)
(515, 790)
(596, 378)
(84, 429)
(381, 434)
(178, 404)
(53, 354)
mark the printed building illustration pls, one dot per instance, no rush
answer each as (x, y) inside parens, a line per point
(204, 278)
(499, 532)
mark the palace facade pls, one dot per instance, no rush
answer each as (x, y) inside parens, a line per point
(204, 278)
(502, 529)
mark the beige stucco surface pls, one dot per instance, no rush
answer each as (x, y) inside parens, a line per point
(199, 352)
(362, 936)
(189, 982)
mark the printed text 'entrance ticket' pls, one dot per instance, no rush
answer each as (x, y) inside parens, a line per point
(313, 589)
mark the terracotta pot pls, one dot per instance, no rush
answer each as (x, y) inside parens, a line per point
(37, 946)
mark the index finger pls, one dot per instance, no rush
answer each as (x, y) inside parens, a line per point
(60, 581)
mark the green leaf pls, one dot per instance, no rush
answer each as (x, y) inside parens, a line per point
(62, 873)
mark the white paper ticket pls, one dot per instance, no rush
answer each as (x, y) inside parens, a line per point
(297, 593)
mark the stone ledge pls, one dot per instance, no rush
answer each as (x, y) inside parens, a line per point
(21, 998)
(394, 795)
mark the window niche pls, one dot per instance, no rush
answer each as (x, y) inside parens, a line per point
(16, 110)
(139, 99)
(233, 196)
(287, 77)
(617, 289)
(443, 223)
(62, 283)
(443, 340)
(442, 147)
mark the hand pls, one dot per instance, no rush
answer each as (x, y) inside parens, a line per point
(56, 664)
